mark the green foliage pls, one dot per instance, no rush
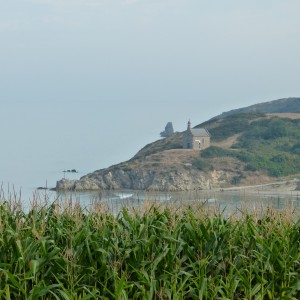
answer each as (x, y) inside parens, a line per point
(295, 149)
(163, 253)
(250, 167)
(202, 165)
(237, 179)
(271, 145)
(214, 151)
(232, 125)
(269, 130)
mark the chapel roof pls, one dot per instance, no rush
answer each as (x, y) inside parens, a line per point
(201, 132)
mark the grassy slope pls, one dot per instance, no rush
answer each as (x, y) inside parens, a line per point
(269, 144)
(266, 143)
(172, 142)
(285, 105)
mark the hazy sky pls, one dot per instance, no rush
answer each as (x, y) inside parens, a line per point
(86, 83)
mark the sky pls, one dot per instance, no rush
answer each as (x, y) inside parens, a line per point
(85, 84)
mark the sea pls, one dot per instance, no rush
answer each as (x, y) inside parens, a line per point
(220, 201)
(30, 189)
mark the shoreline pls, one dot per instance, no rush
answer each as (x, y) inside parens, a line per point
(285, 187)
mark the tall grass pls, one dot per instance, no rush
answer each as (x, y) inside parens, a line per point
(62, 251)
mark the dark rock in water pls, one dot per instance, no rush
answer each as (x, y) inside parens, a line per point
(42, 188)
(70, 171)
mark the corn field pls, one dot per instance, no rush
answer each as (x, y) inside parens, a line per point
(62, 251)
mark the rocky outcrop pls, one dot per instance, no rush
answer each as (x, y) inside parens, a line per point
(77, 185)
(169, 131)
(138, 179)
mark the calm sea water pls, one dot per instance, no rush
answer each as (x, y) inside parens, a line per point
(226, 201)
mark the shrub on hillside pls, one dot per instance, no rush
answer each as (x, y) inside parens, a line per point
(202, 165)
(232, 125)
(214, 151)
(295, 149)
(237, 179)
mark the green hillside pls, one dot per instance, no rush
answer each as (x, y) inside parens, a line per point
(265, 143)
(172, 142)
(248, 147)
(269, 144)
(285, 105)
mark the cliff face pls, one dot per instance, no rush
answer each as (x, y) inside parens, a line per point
(169, 170)
(145, 180)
